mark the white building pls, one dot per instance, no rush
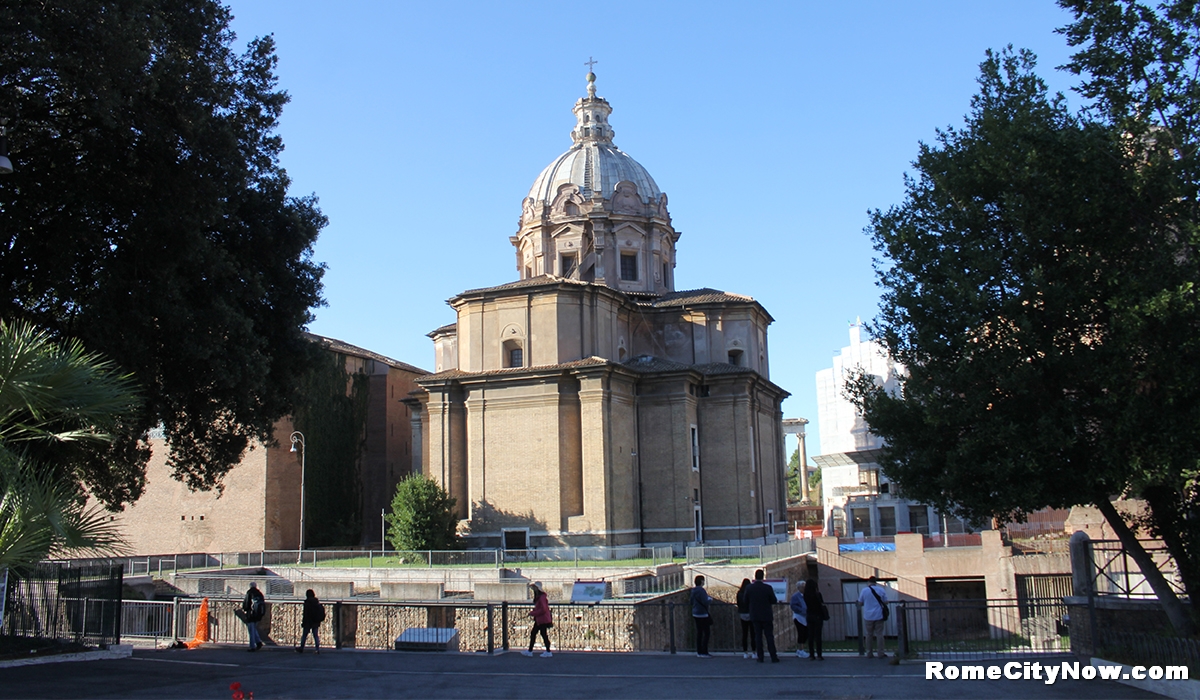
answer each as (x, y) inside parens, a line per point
(859, 500)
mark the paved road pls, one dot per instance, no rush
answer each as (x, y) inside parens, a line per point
(280, 673)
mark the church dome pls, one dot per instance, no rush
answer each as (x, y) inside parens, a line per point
(593, 163)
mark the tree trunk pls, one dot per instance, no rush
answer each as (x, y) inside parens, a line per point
(1168, 518)
(1178, 616)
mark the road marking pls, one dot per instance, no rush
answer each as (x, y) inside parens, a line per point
(533, 674)
(189, 663)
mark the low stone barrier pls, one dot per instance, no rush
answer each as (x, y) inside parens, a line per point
(411, 590)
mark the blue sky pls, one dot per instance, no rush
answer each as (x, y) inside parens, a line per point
(773, 127)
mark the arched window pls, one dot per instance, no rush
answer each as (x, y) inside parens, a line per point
(514, 354)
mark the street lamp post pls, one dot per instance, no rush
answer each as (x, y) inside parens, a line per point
(298, 437)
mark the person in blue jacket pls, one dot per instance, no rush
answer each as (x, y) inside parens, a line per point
(800, 619)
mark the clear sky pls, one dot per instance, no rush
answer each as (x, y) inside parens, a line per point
(773, 127)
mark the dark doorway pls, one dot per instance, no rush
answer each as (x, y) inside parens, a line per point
(957, 609)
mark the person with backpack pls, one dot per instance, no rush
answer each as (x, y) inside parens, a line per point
(254, 608)
(310, 620)
(542, 620)
(873, 600)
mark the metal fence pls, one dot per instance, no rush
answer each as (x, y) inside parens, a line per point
(973, 629)
(961, 629)
(662, 625)
(1140, 648)
(751, 554)
(354, 558)
(56, 602)
(1116, 573)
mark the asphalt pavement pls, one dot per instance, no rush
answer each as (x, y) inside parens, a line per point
(273, 672)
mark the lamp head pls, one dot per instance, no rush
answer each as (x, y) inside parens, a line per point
(6, 166)
(293, 447)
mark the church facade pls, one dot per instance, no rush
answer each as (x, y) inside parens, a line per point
(589, 402)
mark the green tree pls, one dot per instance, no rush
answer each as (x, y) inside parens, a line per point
(423, 516)
(57, 402)
(149, 218)
(332, 413)
(1039, 287)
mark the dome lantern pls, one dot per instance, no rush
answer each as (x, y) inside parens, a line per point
(595, 214)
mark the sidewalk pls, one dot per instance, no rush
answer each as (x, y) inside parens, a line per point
(278, 672)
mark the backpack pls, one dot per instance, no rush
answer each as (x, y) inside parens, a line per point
(321, 616)
(257, 607)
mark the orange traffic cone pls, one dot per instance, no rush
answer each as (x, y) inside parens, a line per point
(201, 626)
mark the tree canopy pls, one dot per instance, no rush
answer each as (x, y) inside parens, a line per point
(1039, 286)
(422, 517)
(148, 216)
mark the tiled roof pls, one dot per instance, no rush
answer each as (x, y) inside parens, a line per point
(457, 373)
(443, 329)
(697, 296)
(650, 363)
(528, 282)
(712, 368)
(347, 349)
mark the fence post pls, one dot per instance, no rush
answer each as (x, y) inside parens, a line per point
(337, 625)
(862, 649)
(504, 625)
(83, 634)
(671, 623)
(491, 629)
(902, 632)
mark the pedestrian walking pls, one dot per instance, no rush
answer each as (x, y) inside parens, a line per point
(254, 608)
(762, 614)
(700, 605)
(542, 620)
(800, 619)
(873, 600)
(310, 619)
(817, 615)
(743, 607)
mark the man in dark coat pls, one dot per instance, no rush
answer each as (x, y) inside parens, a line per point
(762, 613)
(310, 619)
(253, 609)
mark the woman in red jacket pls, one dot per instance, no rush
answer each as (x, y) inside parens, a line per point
(542, 620)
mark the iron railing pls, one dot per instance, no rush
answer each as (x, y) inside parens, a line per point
(1116, 573)
(365, 624)
(55, 602)
(975, 629)
(961, 629)
(354, 558)
(1144, 649)
(753, 554)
